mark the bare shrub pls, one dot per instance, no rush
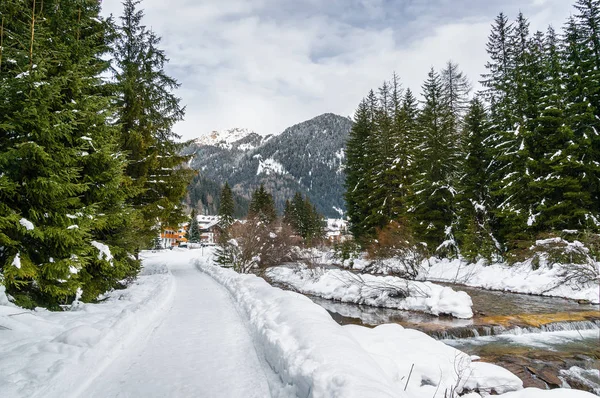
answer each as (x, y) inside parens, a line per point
(256, 245)
(397, 241)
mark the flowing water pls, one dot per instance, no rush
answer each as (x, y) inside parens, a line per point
(544, 340)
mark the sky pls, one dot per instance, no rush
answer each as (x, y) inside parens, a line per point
(269, 64)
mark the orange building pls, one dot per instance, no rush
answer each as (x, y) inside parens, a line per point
(170, 236)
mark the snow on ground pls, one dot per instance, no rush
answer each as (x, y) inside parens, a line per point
(201, 348)
(52, 354)
(518, 278)
(319, 358)
(270, 166)
(183, 333)
(380, 291)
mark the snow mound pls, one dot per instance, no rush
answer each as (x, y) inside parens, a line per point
(81, 336)
(435, 366)
(379, 291)
(319, 358)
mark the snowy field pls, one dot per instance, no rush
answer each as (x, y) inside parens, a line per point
(189, 328)
(378, 291)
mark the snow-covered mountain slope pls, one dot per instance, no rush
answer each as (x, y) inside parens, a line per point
(240, 138)
(307, 157)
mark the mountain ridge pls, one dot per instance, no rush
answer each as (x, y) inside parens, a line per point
(307, 157)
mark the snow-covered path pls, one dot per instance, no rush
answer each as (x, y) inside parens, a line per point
(201, 348)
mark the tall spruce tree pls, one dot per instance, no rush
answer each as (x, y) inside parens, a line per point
(262, 206)
(62, 178)
(148, 109)
(475, 234)
(583, 36)
(226, 207)
(193, 232)
(357, 170)
(433, 200)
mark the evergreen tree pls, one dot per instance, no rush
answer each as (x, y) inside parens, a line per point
(193, 232)
(583, 37)
(475, 233)
(147, 112)
(357, 170)
(433, 200)
(497, 82)
(383, 193)
(262, 206)
(62, 180)
(226, 207)
(304, 218)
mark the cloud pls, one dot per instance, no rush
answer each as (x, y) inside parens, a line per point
(268, 64)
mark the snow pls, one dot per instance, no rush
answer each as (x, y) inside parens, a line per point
(225, 139)
(270, 166)
(17, 261)
(319, 358)
(200, 347)
(176, 331)
(557, 393)
(518, 278)
(104, 251)
(588, 377)
(378, 291)
(55, 354)
(26, 223)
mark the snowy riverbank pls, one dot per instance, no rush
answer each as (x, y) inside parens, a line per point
(518, 278)
(521, 277)
(378, 291)
(55, 354)
(319, 358)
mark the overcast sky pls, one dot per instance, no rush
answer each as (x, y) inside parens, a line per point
(269, 64)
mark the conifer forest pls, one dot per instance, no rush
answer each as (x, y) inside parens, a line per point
(485, 174)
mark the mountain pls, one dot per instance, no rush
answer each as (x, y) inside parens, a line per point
(307, 157)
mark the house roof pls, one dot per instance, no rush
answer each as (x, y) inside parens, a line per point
(206, 222)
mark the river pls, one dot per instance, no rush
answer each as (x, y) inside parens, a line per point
(537, 338)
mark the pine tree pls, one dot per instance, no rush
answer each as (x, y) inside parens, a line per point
(62, 179)
(498, 83)
(147, 112)
(193, 232)
(583, 38)
(262, 206)
(475, 235)
(433, 200)
(357, 170)
(226, 207)
(581, 116)
(383, 194)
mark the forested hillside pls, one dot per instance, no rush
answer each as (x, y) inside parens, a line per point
(307, 157)
(487, 176)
